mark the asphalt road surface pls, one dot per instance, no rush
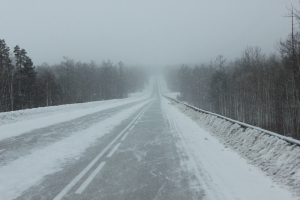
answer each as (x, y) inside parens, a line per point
(136, 160)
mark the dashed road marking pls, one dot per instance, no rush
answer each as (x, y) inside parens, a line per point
(123, 138)
(90, 178)
(131, 128)
(93, 162)
(113, 150)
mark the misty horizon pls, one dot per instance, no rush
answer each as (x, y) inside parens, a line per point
(143, 33)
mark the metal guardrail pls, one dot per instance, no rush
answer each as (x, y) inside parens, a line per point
(244, 125)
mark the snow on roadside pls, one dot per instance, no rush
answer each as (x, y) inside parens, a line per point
(277, 158)
(173, 95)
(165, 90)
(29, 170)
(21, 121)
(220, 172)
(33, 113)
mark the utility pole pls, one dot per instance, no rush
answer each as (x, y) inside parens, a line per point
(294, 64)
(296, 73)
(291, 14)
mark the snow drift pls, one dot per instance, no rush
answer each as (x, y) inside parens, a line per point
(276, 157)
(34, 113)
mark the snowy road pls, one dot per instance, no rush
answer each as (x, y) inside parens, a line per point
(144, 149)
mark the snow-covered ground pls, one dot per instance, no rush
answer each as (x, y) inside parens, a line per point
(21, 121)
(165, 90)
(270, 160)
(223, 173)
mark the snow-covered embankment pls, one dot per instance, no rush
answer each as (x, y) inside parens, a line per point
(276, 157)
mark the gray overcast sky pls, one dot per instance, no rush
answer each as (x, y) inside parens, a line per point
(144, 32)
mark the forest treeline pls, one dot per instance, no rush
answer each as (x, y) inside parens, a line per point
(23, 85)
(254, 88)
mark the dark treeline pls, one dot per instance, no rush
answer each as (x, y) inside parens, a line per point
(24, 86)
(257, 89)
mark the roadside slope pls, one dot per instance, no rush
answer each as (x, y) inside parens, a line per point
(223, 173)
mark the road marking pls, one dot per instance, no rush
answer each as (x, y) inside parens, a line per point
(113, 150)
(123, 138)
(92, 163)
(2, 150)
(90, 178)
(131, 128)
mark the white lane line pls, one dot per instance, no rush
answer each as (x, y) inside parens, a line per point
(2, 150)
(90, 178)
(113, 150)
(131, 128)
(123, 138)
(87, 168)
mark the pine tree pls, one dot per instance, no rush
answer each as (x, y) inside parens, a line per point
(5, 68)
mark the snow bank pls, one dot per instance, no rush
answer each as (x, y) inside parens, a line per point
(276, 157)
(34, 113)
(19, 115)
(173, 95)
(165, 90)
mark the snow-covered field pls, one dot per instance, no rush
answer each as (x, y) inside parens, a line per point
(26, 114)
(270, 155)
(21, 121)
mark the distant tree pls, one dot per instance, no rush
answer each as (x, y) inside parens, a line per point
(171, 76)
(28, 78)
(48, 91)
(6, 74)
(218, 91)
(22, 85)
(220, 62)
(121, 84)
(25, 76)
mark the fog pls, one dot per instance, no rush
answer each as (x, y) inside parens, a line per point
(148, 33)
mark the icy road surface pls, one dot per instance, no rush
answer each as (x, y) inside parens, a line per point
(143, 148)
